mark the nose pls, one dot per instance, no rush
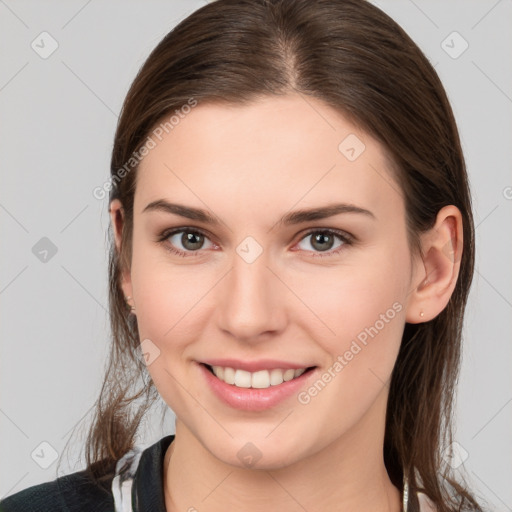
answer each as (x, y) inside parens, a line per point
(251, 300)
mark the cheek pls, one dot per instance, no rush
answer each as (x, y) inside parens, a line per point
(362, 315)
(359, 309)
(167, 305)
(169, 316)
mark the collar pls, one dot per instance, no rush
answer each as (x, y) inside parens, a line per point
(148, 483)
(138, 484)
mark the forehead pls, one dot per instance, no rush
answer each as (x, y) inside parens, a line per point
(274, 152)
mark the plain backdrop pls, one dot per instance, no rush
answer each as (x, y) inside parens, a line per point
(58, 114)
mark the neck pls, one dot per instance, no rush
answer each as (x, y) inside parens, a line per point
(349, 474)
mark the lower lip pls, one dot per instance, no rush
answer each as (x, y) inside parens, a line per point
(253, 399)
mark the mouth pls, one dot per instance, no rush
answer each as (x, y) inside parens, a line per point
(261, 379)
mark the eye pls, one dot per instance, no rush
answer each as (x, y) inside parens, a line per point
(192, 240)
(322, 240)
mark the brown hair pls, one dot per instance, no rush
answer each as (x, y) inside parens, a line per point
(356, 59)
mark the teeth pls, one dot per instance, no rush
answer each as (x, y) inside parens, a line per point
(261, 379)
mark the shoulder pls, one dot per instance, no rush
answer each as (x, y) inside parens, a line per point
(70, 493)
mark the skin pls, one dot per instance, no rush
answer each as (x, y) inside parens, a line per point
(250, 165)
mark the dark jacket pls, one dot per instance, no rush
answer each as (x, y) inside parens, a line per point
(76, 493)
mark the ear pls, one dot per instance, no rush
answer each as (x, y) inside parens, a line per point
(117, 219)
(435, 273)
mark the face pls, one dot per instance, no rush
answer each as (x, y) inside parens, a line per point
(260, 285)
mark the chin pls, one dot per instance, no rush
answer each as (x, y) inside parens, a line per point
(261, 453)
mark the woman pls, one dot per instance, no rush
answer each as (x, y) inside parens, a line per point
(292, 251)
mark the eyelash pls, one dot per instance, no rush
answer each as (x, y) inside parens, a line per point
(343, 236)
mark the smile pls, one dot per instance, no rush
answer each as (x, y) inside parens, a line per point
(256, 390)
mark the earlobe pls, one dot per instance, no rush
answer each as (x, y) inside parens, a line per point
(436, 273)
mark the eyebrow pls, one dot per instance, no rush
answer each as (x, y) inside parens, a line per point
(295, 217)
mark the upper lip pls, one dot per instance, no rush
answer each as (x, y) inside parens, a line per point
(254, 366)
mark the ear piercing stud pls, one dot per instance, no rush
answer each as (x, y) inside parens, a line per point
(421, 314)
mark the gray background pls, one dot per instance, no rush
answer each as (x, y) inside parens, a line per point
(58, 116)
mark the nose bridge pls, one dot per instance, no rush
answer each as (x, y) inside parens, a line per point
(249, 300)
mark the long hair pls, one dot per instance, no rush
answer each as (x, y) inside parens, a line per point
(357, 60)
